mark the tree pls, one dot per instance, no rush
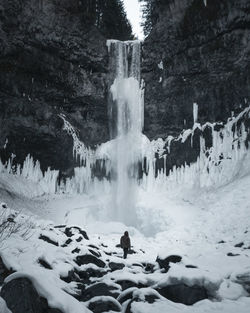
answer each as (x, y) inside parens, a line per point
(110, 17)
(149, 14)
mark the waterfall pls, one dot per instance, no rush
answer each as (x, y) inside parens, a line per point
(126, 123)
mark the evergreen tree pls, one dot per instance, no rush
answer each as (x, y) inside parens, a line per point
(110, 17)
(149, 14)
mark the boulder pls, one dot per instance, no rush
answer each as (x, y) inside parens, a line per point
(116, 266)
(99, 289)
(164, 263)
(4, 272)
(182, 293)
(74, 230)
(88, 258)
(21, 297)
(104, 304)
(47, 239)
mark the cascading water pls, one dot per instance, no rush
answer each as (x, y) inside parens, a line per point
(126, 123)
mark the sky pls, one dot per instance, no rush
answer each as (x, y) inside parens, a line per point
(134, 15)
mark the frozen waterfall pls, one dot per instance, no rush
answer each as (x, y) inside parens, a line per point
(126, 123)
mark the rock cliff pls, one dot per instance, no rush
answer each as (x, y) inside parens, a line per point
(197, 52)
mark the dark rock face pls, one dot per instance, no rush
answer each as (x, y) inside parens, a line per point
(205, 59)
(182, 293)
(50, 63)
(20, 296)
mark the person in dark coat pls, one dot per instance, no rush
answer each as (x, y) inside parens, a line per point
(125, 244)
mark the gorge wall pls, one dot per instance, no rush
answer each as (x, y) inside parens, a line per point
(53, 62)
(198, 51)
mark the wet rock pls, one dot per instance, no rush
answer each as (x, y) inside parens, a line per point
(182, 293)
(88, 258)
(104, 305)
(164, 263)
(21, 296)
(116, 266)
(99, 289)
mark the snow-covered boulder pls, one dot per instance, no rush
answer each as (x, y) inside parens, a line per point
(104, 304)
(182, 293)
(21, 296)
(88, 258)
(165, 261)
(101, 289)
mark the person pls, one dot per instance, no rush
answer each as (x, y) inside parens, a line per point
(125, 244)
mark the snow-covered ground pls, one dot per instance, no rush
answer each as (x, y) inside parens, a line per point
(203, 226)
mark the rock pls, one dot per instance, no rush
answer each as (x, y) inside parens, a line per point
(116, 266)
(95, 253)
(239, 245)
(233, 254)
(104, 304)
(191, 266)
(79, 239)
(76, 250)
(138, 296)
(99, 289)
(47, 239)
(71, 231)
(88, 258)
(126, 294)
(21, 296)
(53, 63)
(4, 272)
(67, 242)
(244, 280)
(164, 263)
(89, 274)
(182, 293)
(44, 264)
(126, 283)
(148, 267)
(72, 276)
(187, 60)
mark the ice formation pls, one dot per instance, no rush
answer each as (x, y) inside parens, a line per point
(126, 114)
